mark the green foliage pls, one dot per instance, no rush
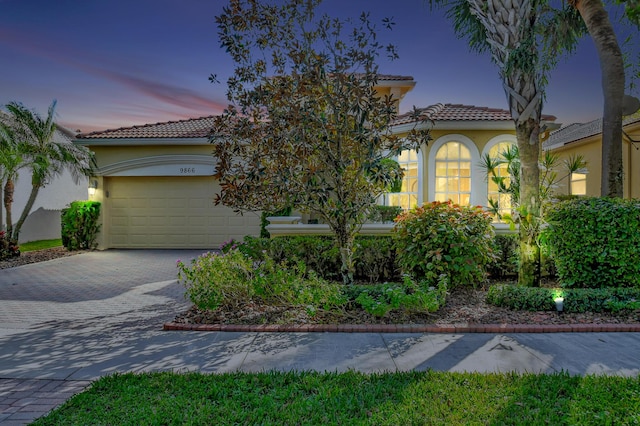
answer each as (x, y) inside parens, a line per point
(595, 242)
(80, 225)
(610, 299)
(411, 297)
(214, 280)
(444, 238)
(506, 261)
(8, 248)
(384, 214)
(352, 398)
(233, 279)
(374, 257)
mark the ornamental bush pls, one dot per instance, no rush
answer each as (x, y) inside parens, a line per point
(80, 225)
(374, 257)
(230, 280)
(595, 242)
(445, 238)
(575, 300)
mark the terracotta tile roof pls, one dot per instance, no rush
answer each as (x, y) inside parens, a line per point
(577, 131)
(190, 128)
(387, 77)
(458, 112)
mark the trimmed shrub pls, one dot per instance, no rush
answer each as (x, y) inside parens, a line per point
(595, 242)
(575, 300)
(374, 257)
(444, 238)
(80, 225)
(384, 214)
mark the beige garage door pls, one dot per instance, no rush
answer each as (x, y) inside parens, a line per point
(171, 212)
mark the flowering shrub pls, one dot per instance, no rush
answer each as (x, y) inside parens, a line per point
(444, 238)
(8, 248)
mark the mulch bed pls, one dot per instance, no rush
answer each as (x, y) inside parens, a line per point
(464, 306)
(37, 256)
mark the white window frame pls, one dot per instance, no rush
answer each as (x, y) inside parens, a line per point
(476, 171)
(420, 156)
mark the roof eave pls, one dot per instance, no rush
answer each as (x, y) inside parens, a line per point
(140, 141)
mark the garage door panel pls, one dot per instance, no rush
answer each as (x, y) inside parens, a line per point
(171, 212)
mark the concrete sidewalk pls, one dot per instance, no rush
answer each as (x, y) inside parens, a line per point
(69, 321)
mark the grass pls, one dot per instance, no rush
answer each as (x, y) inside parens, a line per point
(40, 245)
(309, 398)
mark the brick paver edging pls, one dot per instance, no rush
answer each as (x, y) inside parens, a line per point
(409, 328)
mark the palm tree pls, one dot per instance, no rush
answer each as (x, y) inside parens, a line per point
(612, 65)
(10, 162)
(43, 155)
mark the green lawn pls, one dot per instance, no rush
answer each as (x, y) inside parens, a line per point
(353, 399)
(40, 245)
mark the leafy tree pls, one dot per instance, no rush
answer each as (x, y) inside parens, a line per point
(306, 126)
(31, 138)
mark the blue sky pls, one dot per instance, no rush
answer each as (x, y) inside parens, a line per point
(115, 63)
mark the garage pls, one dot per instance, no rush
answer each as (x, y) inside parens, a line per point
(171, 212)
(156, 187)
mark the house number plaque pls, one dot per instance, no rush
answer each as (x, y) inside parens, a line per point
(187, 170)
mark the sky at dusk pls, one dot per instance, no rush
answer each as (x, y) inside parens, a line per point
(117, 63)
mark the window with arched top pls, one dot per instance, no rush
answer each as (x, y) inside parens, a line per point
(453, 173)
(408, 197)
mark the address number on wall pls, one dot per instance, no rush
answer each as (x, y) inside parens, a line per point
(187, 170)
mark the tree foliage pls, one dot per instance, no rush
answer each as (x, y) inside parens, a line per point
(306, 126)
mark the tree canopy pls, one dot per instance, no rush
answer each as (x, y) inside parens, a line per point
(306, 126)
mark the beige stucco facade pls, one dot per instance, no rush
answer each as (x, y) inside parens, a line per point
(159, 193)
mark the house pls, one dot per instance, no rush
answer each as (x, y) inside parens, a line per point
(449, 166)
(156, 184)
(43, 223)
(586, 140)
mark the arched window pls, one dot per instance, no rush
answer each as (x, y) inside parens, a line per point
(453, 173)
(408, 197)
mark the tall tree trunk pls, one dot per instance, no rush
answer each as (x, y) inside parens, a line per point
(612, 67)
(25, 212)
(528, 144)
(9, 188)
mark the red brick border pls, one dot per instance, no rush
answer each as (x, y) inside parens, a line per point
(409, 328)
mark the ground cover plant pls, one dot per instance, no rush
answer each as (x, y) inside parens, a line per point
(353, 398)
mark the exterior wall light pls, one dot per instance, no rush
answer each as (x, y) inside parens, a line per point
(93, 185)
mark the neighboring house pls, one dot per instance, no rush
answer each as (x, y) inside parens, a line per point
(449, 166)
(586, 140)
(43, 223)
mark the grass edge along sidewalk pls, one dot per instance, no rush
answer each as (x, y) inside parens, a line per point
(353, 398)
